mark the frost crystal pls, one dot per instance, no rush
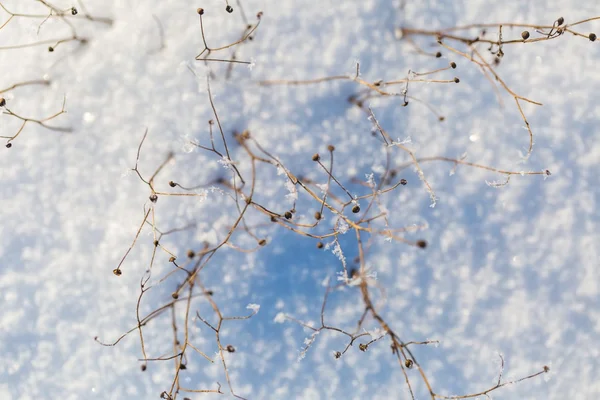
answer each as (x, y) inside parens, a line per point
(342, 226)
(253, 307)
(226, 163)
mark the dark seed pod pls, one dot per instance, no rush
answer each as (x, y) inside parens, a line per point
(191, 254)
(318, 215)
(356, 209)
(230, 348)
(8, 145)
(403, 181)
(50, 49)
(453, 65)
(319, 245)
(456, 80)
(592, 37)
(229, 9)
(560, 21)
(172, 184)
(2, 102)
(408, 363)
(262, 242)
(73, 11)
(153, 198)
(438, 54)
(525, 35)
(288, 215)
(331, 147)
(200, 11)
(421, 243)
(175, 295)
(117, 272)
(316, 157)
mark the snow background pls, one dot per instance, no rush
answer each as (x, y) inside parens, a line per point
(511, 270)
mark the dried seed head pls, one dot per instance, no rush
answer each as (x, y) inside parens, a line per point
(172, 184)
(408, 363)
(319, 245)
(546, 368)
(547, 172)
(356, 209)
(182, 366)
(230, 348)
(175, 295)
(403, 181)
(191, 254)
(229, 9)
(592, 36)
(259, 15)
(318, 215)
(438, 54)
(2, 102)
(73, 11)
(155, 243)
(315, 157)
(363, 347)
(560, 21)
(143, 367)
(525, 35)
(117, 272)
(262, 242)
(337, 354)
(331, 147)
(453, 65)
(421, 243)
(50, 49)
(288, 215)
(456, 80)
(8, 145)
(200, 11)
(172, 259)
(153, 198)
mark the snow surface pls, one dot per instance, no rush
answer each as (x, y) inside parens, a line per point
(511, 270)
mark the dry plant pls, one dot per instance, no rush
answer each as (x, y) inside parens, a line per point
(358, 211)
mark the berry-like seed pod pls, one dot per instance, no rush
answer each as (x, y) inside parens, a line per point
(315, 157)
(50, 49)
(356, 209)
(172, 259)
(172, 184)
(403, 181)
(175, 295)
(319, 245)
(318, 215)
(8, 145)
(337, 354)
(155, 243)
(560, 21)
(229, 9)
(200, 11)
(456, 80)
(438, 54)
(421, 243)
(525, 35)
(453, 65)
(117, 272)
(230, 348)
(592, 36)
(2, 102)
(262, 242)
(287, 215)
(153, 198)
(331, 147)
(408, 363)
(191, 254)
